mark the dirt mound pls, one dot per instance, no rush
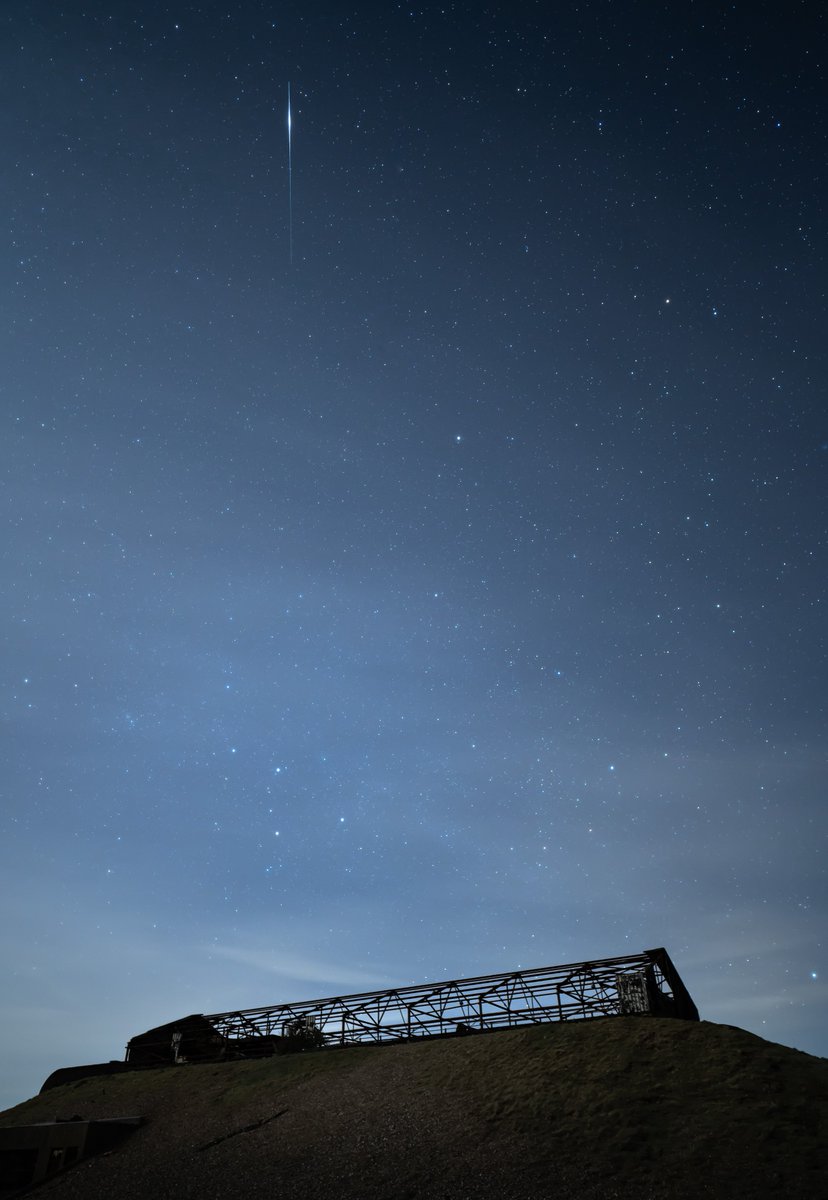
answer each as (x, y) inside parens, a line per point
(599, 1110)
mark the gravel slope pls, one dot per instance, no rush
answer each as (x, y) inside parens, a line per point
(598, 1110)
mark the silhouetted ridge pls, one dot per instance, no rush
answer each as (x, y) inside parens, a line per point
(608, 1109)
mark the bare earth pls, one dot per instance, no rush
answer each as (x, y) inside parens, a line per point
(610, 1109)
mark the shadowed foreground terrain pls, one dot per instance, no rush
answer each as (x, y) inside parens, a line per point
(626, 1107)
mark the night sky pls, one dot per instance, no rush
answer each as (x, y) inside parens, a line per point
(449, 598)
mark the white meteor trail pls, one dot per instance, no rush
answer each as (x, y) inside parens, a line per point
(290, 180)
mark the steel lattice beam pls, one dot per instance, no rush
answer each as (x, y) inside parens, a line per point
(560, 993)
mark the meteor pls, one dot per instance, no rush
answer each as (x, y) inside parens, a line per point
(290, 178)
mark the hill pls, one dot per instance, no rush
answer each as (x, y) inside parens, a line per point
(599, 1110)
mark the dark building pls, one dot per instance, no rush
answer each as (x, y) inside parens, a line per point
(31, 1153)
(190, 1039)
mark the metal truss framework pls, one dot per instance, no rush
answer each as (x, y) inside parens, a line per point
(643, 983)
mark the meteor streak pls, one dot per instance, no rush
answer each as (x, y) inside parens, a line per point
(290, 180)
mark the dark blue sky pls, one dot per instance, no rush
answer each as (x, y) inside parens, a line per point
(452, 598)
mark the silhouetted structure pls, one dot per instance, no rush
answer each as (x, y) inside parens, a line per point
(190, 1039)
(635, 984)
